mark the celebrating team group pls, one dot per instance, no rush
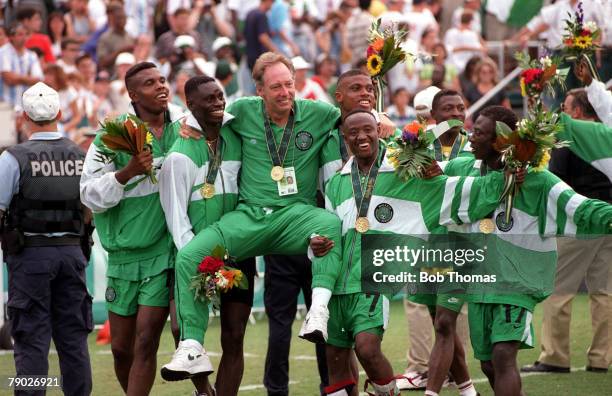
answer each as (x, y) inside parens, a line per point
(246, 178)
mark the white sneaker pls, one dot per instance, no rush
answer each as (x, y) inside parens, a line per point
(412, 380)
(189, 360)
(314, 328)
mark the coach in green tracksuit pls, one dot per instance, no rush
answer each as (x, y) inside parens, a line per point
(132, 228)
(370, 199)
(521, 253)
(282, 141)
(198, 185)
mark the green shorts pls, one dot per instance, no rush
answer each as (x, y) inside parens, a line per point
(124, 296)
(450, 301)
(351, 314)
(493, 323)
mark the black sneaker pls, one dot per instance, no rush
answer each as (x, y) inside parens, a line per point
(601, 370)
(538, 367)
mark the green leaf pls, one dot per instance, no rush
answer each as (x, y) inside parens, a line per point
(502, 129)
(218, 252)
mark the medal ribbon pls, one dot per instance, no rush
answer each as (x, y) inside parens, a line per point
(343, 150)
(278, 155)
(454, 151)
(214, 162)
(484, 168)
(362, 199)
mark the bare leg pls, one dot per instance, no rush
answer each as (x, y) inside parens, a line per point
(234, 317)
(123, 330)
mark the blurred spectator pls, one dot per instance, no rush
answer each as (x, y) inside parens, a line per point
(78, 23)
(143, 49)
(257, 33)
(449, 75)
(446, 14)
(331, 38)
(357, 28)
(164, 47)
(419, 19)
(471, 5)
(20, 67)
(56, 26)
(31, 19)
(400, 112)
(87, 71)
(212, 24)
(467, 76)
(239, 10)
(305, 88)
(97, 12)
(178, 89)
(118, 92)
(462, 43)
(304, 14)
(186, 57)
(428, 40)
(228, 81)
(70, 52)
(140, 16)
(115, 40)
(326, 70)
(68, 96)
(102, 106)
(3, 37)
(173, 5)
(485, 78)
(280, 27)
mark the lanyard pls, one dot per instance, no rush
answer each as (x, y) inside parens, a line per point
(214, 161)
(278, 154)
(454, 151)
(362, 198)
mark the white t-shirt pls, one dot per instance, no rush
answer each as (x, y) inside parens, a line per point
(455, 38)
(418, 22)
(555, 15)
(242, 7)
(476, 24)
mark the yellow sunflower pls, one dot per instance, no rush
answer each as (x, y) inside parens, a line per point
(149, 138)
(374, 64)
(583, 42)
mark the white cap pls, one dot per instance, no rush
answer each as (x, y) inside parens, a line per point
(424, 99)
(221, 42)
(125, 58)
(299, 63)
(184, 41)
(41, 102)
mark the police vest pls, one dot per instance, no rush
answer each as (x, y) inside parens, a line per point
(48, 200)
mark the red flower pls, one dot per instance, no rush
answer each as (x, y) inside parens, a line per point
(370, 51)
(531, 75)
(585, 32)
(569, 42)
(210, 265)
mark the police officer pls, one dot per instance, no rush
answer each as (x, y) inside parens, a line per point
(43, 222)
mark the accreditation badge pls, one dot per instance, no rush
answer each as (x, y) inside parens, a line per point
(288, 184)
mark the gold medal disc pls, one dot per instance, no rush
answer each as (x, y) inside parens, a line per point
(486, 226)
(207, 190)
(362, 224)
(277, 173)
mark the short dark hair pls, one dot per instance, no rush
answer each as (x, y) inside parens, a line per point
(500, 113)
(192, 85)
(137, 68)
(357, 111)
(350, 73)
(438, 97)
(26, 13)
(180, 11)
(12, 30)
(581, 100)
(81, 58)
(67, 41)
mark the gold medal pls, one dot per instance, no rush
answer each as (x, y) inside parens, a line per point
(362, 224)
(207, 190)
(277, 173)
(486, 226)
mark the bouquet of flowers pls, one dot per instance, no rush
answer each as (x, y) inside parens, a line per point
(410, 153)
(128, 135)
(215, 276)
(539, 76)
(580, 39)
(528, 146)
(382, 54)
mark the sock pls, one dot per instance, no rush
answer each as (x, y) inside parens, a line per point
(342, 388)
(386, 388)
(467, 389)
(320, 296)
(430, 393)
(192, 344)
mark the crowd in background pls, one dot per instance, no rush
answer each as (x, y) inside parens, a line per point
(82, 48)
